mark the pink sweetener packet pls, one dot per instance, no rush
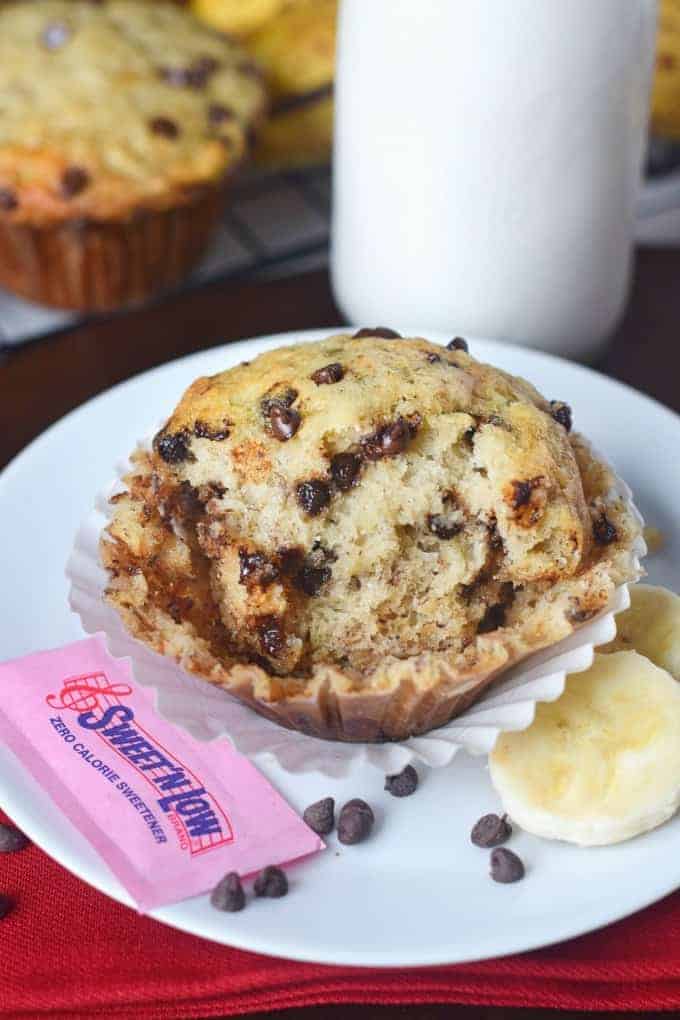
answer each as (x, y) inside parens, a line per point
(168, 814)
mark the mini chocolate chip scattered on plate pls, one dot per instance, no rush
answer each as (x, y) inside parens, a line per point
(403, 783)
(505, 866)
(6, 904)
(228, 894)
(272, 882)
(11, 839)
(355, 822)
(320, 816)
(457, 344)
(491, 830)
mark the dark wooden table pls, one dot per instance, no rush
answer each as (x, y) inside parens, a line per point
(41, 381)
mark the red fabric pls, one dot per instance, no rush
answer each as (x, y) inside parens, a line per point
(68, 951)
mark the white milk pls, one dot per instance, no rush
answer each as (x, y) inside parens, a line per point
(487, 160)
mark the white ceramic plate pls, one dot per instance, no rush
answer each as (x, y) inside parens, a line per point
(418, 892)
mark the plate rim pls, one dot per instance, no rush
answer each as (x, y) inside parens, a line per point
(106, 883)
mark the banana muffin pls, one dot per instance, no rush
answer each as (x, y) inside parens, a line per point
(356, 536)
(120, 122)
(296, 51)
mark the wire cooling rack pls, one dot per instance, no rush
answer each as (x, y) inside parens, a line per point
(275, 225)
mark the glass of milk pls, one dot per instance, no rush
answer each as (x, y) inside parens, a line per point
(487, 161)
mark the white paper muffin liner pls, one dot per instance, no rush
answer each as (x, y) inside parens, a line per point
(208, 712)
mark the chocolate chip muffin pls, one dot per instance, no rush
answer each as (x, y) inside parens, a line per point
(120, 122)
(357, 536)
(296, 51)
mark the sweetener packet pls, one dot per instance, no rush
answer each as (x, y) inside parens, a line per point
(169, 815)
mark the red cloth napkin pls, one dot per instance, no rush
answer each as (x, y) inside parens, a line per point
(68, 951)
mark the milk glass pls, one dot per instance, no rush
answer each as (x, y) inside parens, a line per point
(487, 161)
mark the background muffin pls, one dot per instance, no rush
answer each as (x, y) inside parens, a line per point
(666, 86)
(293, 41)
(357, 535)
(119, 124)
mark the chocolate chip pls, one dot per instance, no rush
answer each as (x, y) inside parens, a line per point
(442, 527)
(55, 34)
(457, 344)
(8, 199)
(284, 398)
(433, 358)
(493, 618)
(380, 331)
(328, 374)
(215, 490)
(320, 816)
(271, 882)
(561, 412)
(506, 866)
(204, 431)
(272, 639)
(6, 905)
(491, 830)
(291, 560)
(74, 180)
(218, 113)
(285, 421)
(164, 126)
(195, 76)
(404, 783)
(311, 579)
(521, 491)
(355, 822)
(313, 496)
(228, 894)
(255, 568)
(390, 440)
(11, 839)
(345, 468)
(604, 531)
(179, 607)
(208, 65)
(172, 447)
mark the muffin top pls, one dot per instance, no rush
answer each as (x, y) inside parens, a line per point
(296, 50)
(109, 107)
(362, 500)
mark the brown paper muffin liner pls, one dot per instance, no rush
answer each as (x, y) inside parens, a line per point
(412, 702)
(97, 266)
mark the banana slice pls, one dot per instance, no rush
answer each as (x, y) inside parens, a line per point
(601, 764)
(651, 626)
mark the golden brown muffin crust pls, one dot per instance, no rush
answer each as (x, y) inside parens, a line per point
(110, 108)
(333, 512)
